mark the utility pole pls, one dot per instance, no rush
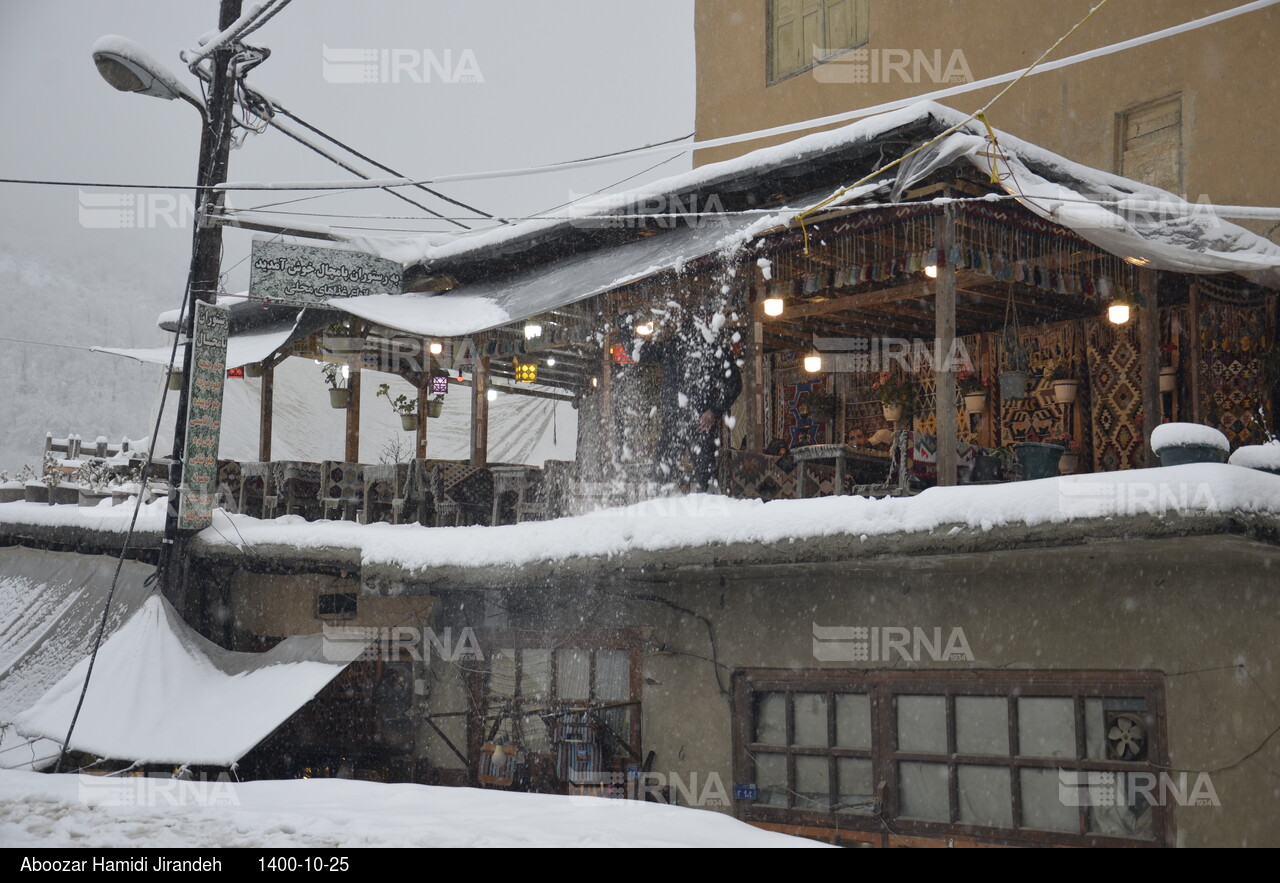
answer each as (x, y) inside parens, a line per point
(202, 284)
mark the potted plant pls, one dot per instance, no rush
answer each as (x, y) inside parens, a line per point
(12, 490)
(1038, 459)
(1064, 382)
(1168, 371)
(1179, 443)
(1013, 379)
(339, 394)
(435, 405)
(974, 389)
(406, 407)
(1070, 460)
(896, 395)
(94, 477)
(822, 406)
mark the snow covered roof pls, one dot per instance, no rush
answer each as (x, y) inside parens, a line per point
(161, 693)
(242, 349)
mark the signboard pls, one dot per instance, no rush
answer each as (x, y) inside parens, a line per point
(204, 417)
(303, 275)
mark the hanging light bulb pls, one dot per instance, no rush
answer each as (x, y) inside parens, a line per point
(1118, 313)
(773, 306)
(492, 395)
(813, 363)
(346, 372)
(595, 381)
(436, 348)
(644, 329)
(551, 361)
(532, 330)
(931, 271)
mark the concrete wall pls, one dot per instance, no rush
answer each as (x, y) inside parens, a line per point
(1224, 72)
(1204, 612)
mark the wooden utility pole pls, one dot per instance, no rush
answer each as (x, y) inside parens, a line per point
(944, 371)
(1149, 358)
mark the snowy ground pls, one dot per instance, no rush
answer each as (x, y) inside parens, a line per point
(38, 810)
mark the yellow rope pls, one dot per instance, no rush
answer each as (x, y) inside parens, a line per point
(979, 114)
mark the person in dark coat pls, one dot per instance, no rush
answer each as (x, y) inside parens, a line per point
(700, 382)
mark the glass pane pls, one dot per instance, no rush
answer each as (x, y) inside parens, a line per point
(1103, 722)
(982, 725)
(857, 792)
(771, 779)
(771, 718)
(811, 719)
(923, 791)
(1048, 803)
(573, 674)
(853, 720)
(535, 675)
(502, 675)
(1118, 804)
(985, 795)
(922, 724)
(1047, 727)
(813, 784)
(613, 675)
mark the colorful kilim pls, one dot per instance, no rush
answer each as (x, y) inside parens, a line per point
(1235, 341)
(1117, 399)
(1039, 416)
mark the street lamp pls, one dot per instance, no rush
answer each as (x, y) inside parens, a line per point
(128, 67)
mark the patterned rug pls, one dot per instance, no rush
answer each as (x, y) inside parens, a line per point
(1039, 416)
(1236, 339)
(1117, 399)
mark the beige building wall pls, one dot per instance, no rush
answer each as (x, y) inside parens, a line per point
(1224, 75)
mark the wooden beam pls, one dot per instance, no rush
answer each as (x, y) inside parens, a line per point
(420, 437)
(265, 410)
(480, 413)
(755, 360)
(944, 317)
(1193, 358)
(352, 453)
(1149, 358)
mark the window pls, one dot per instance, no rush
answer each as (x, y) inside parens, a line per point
(337, 605)
(1150, 143)
(804, 33)
(992, 756)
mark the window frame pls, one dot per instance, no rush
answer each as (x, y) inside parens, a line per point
(770, 79)
(884, 686)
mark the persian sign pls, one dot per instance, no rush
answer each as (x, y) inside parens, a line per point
(204, 417)
(304, 275)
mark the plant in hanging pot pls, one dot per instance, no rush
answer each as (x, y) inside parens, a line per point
(406, 407)
(1179, 443)
(896, 395)
(1014, 377)
(974, 388)
(1065, 382)
(336, 376)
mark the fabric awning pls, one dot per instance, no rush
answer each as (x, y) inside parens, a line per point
(161, 693)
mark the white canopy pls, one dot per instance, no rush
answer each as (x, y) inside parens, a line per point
(242, 349)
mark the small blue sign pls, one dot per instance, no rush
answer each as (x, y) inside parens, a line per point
(745, 792)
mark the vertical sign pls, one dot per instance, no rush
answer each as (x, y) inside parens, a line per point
(204, 417)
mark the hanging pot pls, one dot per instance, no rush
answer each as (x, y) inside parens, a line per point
(975, 402)
(409, 422)
(892, 411)
(434, 408)
(1013, 384)
(1168, 378)
(339, 398)
(1065, 391)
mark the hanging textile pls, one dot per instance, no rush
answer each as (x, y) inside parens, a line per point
(1114, 378)
(1236, 338)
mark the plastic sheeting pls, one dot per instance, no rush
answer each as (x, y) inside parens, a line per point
(161, 693)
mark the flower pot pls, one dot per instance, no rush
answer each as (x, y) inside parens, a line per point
(339, 398)
(254, 369)
(36, 493)
(409, 422)
(12, 494)
(1069, 463)
(1177, 455)
(975, 402)
(93, 498)
(175, 380)
(434, 408)
(985, 468)
(1013, 384)
(1038, 460)
(892, 411)
(1168, 378)
(1065, 391)
(64, 495)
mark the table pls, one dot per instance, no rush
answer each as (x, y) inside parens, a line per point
(846, 459)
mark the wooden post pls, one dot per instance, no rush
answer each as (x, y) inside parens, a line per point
(420, 437)
(352, 454)
(945, 331)
(606, 403)
(1149, 359)
(1193, 357)
(480, 412)
(266, 409)
(757, 437)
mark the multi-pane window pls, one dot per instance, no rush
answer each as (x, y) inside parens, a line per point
(802, 33)
(1150, 143)
(994, 756)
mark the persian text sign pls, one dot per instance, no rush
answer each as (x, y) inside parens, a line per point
(303, 274)
(204, 417)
